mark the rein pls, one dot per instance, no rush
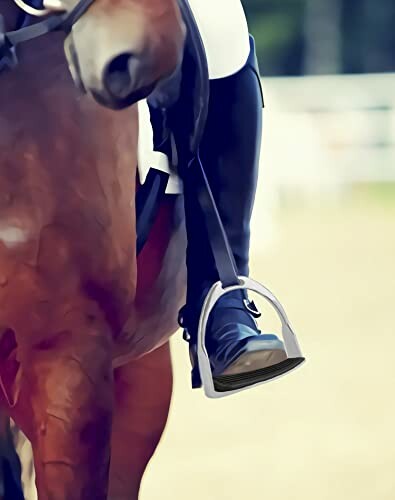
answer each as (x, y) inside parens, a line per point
(57, 20)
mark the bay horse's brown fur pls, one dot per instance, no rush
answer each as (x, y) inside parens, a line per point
(75, 302)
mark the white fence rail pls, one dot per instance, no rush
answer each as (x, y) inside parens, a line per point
(323, 132)
(321, 135)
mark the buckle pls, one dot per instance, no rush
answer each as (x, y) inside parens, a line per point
(252, 308)
(186, 336)
(181, 317)
(182, 321)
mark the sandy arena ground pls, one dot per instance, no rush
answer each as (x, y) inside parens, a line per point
(325, 432)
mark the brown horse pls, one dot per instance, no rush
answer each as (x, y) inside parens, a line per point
(85, 367)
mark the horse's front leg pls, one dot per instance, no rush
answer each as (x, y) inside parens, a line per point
(143, 392)
(72, 401)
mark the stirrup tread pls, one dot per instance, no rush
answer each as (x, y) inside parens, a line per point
(225, 383)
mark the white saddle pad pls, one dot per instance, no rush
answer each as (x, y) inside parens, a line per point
(148, 158)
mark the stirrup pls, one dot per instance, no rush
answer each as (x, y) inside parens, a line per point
(213, 388)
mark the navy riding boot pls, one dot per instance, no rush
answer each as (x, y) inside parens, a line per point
(230, 154)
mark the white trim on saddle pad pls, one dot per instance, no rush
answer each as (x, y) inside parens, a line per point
(148, 158)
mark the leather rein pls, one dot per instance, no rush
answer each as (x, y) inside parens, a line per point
(56, 19)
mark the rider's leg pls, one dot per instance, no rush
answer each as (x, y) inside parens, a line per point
(230, 154)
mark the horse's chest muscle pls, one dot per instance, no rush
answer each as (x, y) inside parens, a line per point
(67, 183)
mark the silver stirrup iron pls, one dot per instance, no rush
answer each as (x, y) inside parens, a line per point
(290, 341)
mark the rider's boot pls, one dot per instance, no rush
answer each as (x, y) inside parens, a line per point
(230, 154)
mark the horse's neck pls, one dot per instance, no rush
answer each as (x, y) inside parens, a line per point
(55, 141)
(41, 85)
(41, 107)
(41, 72)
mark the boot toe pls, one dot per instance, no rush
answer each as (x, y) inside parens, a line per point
(240, 349)
(260, 352)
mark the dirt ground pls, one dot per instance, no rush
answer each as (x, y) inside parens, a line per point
(326, 431)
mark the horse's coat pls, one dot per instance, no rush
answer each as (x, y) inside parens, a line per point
(75, 302)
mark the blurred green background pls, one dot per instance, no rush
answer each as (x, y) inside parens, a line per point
(323, 36)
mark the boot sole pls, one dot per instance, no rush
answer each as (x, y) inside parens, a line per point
(238, 381)
(252, 361)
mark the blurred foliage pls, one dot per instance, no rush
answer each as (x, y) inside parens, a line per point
(377, 191)
(287, 32)
(278, 30)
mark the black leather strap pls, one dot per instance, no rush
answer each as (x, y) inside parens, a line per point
(75, 14)
(54, 22)
(222, 252)
(34, 30)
